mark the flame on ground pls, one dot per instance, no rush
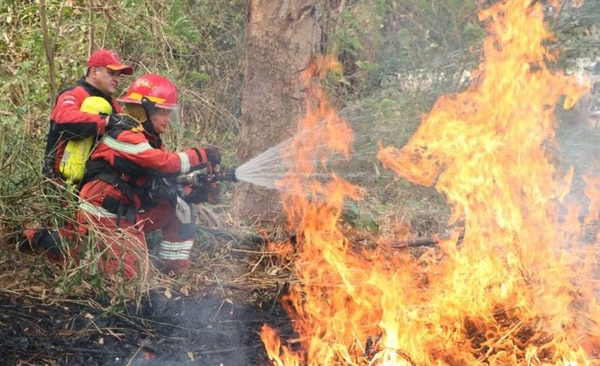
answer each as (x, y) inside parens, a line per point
(520, 288)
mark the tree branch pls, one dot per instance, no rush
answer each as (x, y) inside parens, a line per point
(49, 53)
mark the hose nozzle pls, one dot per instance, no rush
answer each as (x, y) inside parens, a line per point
(198, 179)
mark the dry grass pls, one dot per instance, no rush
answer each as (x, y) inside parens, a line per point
(241, 269)
(227, 260)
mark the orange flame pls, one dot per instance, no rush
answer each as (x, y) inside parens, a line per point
(518, 290)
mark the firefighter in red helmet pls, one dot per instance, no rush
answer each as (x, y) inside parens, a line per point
(125, 191)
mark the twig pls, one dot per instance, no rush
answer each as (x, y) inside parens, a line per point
(510, 332)
(142, 345)
(224, 350)
(49, 51)
(90, 350)
(423, 242)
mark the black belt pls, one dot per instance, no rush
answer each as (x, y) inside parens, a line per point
(120, 208)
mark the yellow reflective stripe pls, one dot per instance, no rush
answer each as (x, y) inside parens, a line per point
(185, 162)
(139, 96)
(125, 147)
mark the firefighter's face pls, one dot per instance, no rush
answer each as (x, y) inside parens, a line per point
(160, 120)
(107, 81)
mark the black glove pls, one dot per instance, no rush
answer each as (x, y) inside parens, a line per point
(122, 122)
(197, 195)
(213, 155)
(205, 193)
(156, 189)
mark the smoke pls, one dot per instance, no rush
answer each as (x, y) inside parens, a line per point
(202, 329)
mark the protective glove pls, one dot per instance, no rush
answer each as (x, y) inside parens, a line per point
(155, 190)
(209, 193)
(121, 121)
(197, 195)
(213, 155)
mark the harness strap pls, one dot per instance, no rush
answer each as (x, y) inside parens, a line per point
(119, 207)
(101, 170)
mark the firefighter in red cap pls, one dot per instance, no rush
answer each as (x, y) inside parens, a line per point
(69, 122)
(125, 191)
(82, 114)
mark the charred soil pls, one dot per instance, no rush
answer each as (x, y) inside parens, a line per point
(210, 316)
(199, 329)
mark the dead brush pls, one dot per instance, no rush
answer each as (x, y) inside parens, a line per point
(82, 267)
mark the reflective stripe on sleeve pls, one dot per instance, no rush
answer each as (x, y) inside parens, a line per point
(125, 147)
(185, 162)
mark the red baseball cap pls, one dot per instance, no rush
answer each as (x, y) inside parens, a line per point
(110, 60)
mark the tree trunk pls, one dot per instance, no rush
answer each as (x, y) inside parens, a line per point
(281, 37)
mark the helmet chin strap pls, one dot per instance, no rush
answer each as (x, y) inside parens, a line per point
(150, 108)
(156, 142)
(149, 127)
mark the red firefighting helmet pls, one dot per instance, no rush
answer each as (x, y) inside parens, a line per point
(152, 88)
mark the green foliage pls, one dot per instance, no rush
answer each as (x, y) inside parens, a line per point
(196, 44)
(199, 45)
(377, 38)
(360, 220)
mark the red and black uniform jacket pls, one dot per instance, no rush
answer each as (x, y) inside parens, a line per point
(122, 164)
(68, 122)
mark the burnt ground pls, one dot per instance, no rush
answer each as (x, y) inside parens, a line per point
(210, 316)
(199, 329)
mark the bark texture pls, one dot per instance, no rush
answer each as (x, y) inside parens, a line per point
(281, 38)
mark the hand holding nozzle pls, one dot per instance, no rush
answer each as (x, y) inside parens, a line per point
(213, 155)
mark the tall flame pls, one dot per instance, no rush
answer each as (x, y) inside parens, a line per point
(518, 289)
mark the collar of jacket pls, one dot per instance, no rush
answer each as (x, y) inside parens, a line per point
(92, 89)
(95, 92)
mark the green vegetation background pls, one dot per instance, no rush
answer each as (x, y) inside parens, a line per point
(398, 57)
